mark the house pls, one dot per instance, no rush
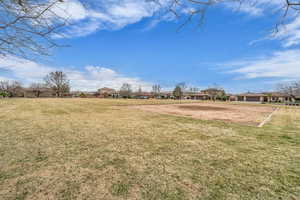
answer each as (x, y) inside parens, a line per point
(143, 95)
(196, 96)
(38, 92)
(165, 95)
(108, 93)
(262, 97)
(215, 94)
(83, 94)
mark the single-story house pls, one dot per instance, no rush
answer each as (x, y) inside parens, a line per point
(39, 92)
(108, 93)
(143, 95)
(196, 96)
(262, 97)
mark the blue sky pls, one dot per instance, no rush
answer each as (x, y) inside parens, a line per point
(131, 41)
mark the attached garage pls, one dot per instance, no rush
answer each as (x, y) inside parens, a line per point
(252, 98)
(240, 98)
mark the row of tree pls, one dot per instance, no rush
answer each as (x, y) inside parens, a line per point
(56, 81)
(215, 92)
(59, 84)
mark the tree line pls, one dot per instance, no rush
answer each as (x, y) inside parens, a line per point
(57, 82)
(180, 90)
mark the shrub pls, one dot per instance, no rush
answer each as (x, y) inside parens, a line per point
(82, 95)
(4, 94)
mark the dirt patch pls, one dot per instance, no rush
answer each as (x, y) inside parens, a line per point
(243, 114)
(201, 107)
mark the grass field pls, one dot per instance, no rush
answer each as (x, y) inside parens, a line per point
(98, 149)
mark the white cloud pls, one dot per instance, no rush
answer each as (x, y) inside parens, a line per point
(103, 14)
(289, 29)
(289, 34)
(281, 64)
(90, 79)
(245, 8)
(254, 7)
(92, 16)
(23, 69)
(70, 9)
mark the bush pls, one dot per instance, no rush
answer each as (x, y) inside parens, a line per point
(4, 94)
(82, 95)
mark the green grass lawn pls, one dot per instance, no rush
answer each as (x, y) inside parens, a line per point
(93, 149)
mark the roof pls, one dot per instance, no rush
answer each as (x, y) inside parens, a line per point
(272, 94)
(43, 89)
(143, 93)
(252, 94)
(106, 89)
(195, 94)
(277, 94)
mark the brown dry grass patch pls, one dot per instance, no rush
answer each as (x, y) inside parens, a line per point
(238, 113)
(201, 107)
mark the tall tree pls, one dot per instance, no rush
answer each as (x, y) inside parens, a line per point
(58, 82)
(156, 89)
(140, 90)
(11, 88)
(125, 90)
(290, 88)
(178, 92)
(194, 89)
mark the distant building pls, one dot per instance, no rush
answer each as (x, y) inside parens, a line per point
(142, 95)
(215, 94)
(165, 95)
(108, 93)
(39, 92)
(83, 94)
(196, 96)
(263, 97)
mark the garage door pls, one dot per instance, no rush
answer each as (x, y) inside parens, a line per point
(252, 98)
(240, 98)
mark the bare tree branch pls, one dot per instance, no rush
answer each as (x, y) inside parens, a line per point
(197, 9)
(27, 27)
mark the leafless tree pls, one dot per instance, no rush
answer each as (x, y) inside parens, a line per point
(197, 9)
(156, 89)
(178, 93)
(182, 86)
(4, 85)
(27, 26)
(291, 88)
(194, 89)
(140, 90)
(58, 82)
(296, 85)
(126, 90)
(11, 88)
